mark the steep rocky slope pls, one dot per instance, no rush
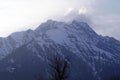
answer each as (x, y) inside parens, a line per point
(92, 57)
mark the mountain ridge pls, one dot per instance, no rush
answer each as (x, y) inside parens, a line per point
(91, 54)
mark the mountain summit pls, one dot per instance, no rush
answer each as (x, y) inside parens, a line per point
(23, 55)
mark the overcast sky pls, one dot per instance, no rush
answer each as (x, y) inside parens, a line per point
(18, 15)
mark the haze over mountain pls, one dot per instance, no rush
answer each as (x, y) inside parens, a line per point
(24, 55)
(19, 15)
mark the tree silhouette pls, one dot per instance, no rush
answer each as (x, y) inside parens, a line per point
(59, 68)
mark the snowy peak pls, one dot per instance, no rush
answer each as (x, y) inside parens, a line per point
(14, 41)
(90, 55)
(58, 32)
(50, 24)
(82, 26)
(79, 26)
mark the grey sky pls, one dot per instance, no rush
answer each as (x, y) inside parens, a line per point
(106, 18)
(17, 15)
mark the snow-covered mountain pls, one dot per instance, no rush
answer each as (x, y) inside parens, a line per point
(93, 57)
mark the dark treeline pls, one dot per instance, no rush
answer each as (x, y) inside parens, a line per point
(58, 68)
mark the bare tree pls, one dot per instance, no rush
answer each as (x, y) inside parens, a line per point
(59, 68)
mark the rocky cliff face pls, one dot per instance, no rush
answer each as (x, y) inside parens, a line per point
(92, 57)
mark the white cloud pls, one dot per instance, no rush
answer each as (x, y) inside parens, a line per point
(68, 11)
(83, 10)
(17, 15)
